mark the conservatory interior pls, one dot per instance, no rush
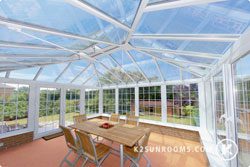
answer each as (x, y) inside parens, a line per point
(88, 82)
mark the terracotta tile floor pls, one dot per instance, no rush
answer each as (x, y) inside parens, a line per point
(41, 153)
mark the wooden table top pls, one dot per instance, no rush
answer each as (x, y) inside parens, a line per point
(121, 133)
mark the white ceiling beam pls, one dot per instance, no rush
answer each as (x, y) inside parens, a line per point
(38, 73)
(159, 69)
(137, 19)
(183, 53)
(7, 74)
(99, 83)
(33, 56)
(138, 67)
(27, 46)
(176, 4)
(20, 25)
(190, 37)
(80, 73)
(98, 13)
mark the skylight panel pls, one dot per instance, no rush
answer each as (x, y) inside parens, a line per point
(51, 72)
(67, 18)
(170, 72)
(124, 11)
(73, 70)
(227, 17)
(27, 73)
(69, 43)
(34, 52)
(84, 76)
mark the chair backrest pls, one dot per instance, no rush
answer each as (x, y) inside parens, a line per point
(70, 140)
(79, 118)
(87, 144)
(143, 142)
(114, 117)
(132, 120)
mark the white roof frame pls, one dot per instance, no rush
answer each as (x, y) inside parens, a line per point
(190, 37)
(176, 4)
(137, 19)
(138, 67)
(21, 25)
(80, 73)
(98, 13)
(183, 53)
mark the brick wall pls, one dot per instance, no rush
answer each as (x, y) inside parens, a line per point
(176, 132)
(16, 140)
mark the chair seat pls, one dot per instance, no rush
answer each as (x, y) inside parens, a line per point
(130, 152)
(101, 151)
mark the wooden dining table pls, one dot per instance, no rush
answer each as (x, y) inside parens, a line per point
(125, 135)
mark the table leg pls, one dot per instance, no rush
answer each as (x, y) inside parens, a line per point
(121, 155)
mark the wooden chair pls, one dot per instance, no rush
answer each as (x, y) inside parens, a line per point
(96, 153)
(134, 156)
(132, 120)
(114, 118)
(72, 144)
(79, 118)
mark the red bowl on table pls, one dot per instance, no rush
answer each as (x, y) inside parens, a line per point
(106, 125)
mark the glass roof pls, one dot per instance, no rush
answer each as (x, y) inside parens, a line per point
(117, 42)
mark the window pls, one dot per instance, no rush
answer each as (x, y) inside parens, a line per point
(109, 101)
(126, 100)
(150, 103)
(91, 102)
(242, 108)
(14, 104)
(219, 106)
(49, 112)
(72, 105)
(183, 104)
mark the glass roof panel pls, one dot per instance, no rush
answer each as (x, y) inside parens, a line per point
(184, 58)
(115, 68)
(74, 20)
(27, 73)
(105, 74)
(216, 18)
(124, 11)
(34, 52)
(187, 75)
(87, 74)
(169, 72)
(69, 43)
(194, 46)
(2, 74)
(74, 69)
(92, 82)
(124, 60)
(9, 35)
(51, 72)
(147, 65)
